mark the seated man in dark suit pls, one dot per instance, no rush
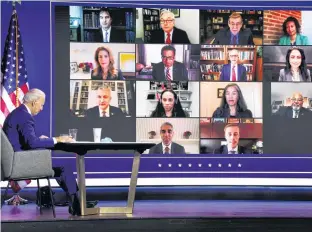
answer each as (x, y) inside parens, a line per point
(234, 34)
(107, 33)
(104, 109)
(169, 69)
(233, 71)
(169, 33)
(296, 110)
(19, 126)
(167, 146)
(231, 134)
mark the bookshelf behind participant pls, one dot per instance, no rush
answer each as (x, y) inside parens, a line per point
(106, 25)
(217, 62)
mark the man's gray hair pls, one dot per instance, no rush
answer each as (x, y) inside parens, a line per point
(33, 95)
(166, 124)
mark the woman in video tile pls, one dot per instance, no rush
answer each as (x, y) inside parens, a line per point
(292, 36)
(169, 105)
(296, 67)
(105, 69)
(233, 104)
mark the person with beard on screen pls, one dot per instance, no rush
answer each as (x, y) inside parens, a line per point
(233, 104)
(296, 110)
(232, 136)
(167, 147)
(103, 108)
(106, 33)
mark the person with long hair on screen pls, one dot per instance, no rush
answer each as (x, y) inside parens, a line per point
(233, 104)
(169, 105)
(296, 67)
(105, 69)
(292, 34)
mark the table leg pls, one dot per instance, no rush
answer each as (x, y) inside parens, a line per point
(131, 194)
(134, 180)
(80, 164)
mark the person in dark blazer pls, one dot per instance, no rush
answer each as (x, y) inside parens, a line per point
(296, 67)
(169, 69)
(232, 136)
(234, 34)
(296, 110)
(19, 126)
(103, 108)
(105, 65)
(168, 33)
(167, 146)
(233, 104)
(233, 71)
(106, 33)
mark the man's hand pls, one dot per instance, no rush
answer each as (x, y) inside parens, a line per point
(43, 137)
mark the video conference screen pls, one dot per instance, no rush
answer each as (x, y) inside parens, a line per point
(192, 81)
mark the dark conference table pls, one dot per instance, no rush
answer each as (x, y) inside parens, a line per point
(82, 148)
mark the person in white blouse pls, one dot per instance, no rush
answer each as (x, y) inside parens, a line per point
(296, 68)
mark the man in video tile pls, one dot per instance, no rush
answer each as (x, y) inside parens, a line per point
(233, 71)
(167, 146)
(169, 33)
(232, 135)
(104, 109)
(234, 34)
(107, 33)
(169, 69)
(296, 110)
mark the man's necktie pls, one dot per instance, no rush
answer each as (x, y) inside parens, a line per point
(168, 76)
(104, 114)
(106, 37)
(168, 40)
(166, 150)
(234, 41)
(232, 152)
(296, 114)
(233, 74)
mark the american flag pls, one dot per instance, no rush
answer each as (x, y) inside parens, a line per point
(13, 69)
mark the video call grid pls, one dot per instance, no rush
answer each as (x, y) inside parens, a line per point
(200, 80)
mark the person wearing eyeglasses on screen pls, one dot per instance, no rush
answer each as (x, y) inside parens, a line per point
(235, 34)
(233, 104)
(233, 71)
(169, 69)
(167, 147)
(169, 33)
(232, 136)
(169, 105)
(292, 36)
(296, 110)
(296, 67)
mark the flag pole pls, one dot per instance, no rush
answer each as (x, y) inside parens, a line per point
(16, 55)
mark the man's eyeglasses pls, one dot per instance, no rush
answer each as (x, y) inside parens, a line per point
(167, 57)
(235, 24)
(162, 21)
